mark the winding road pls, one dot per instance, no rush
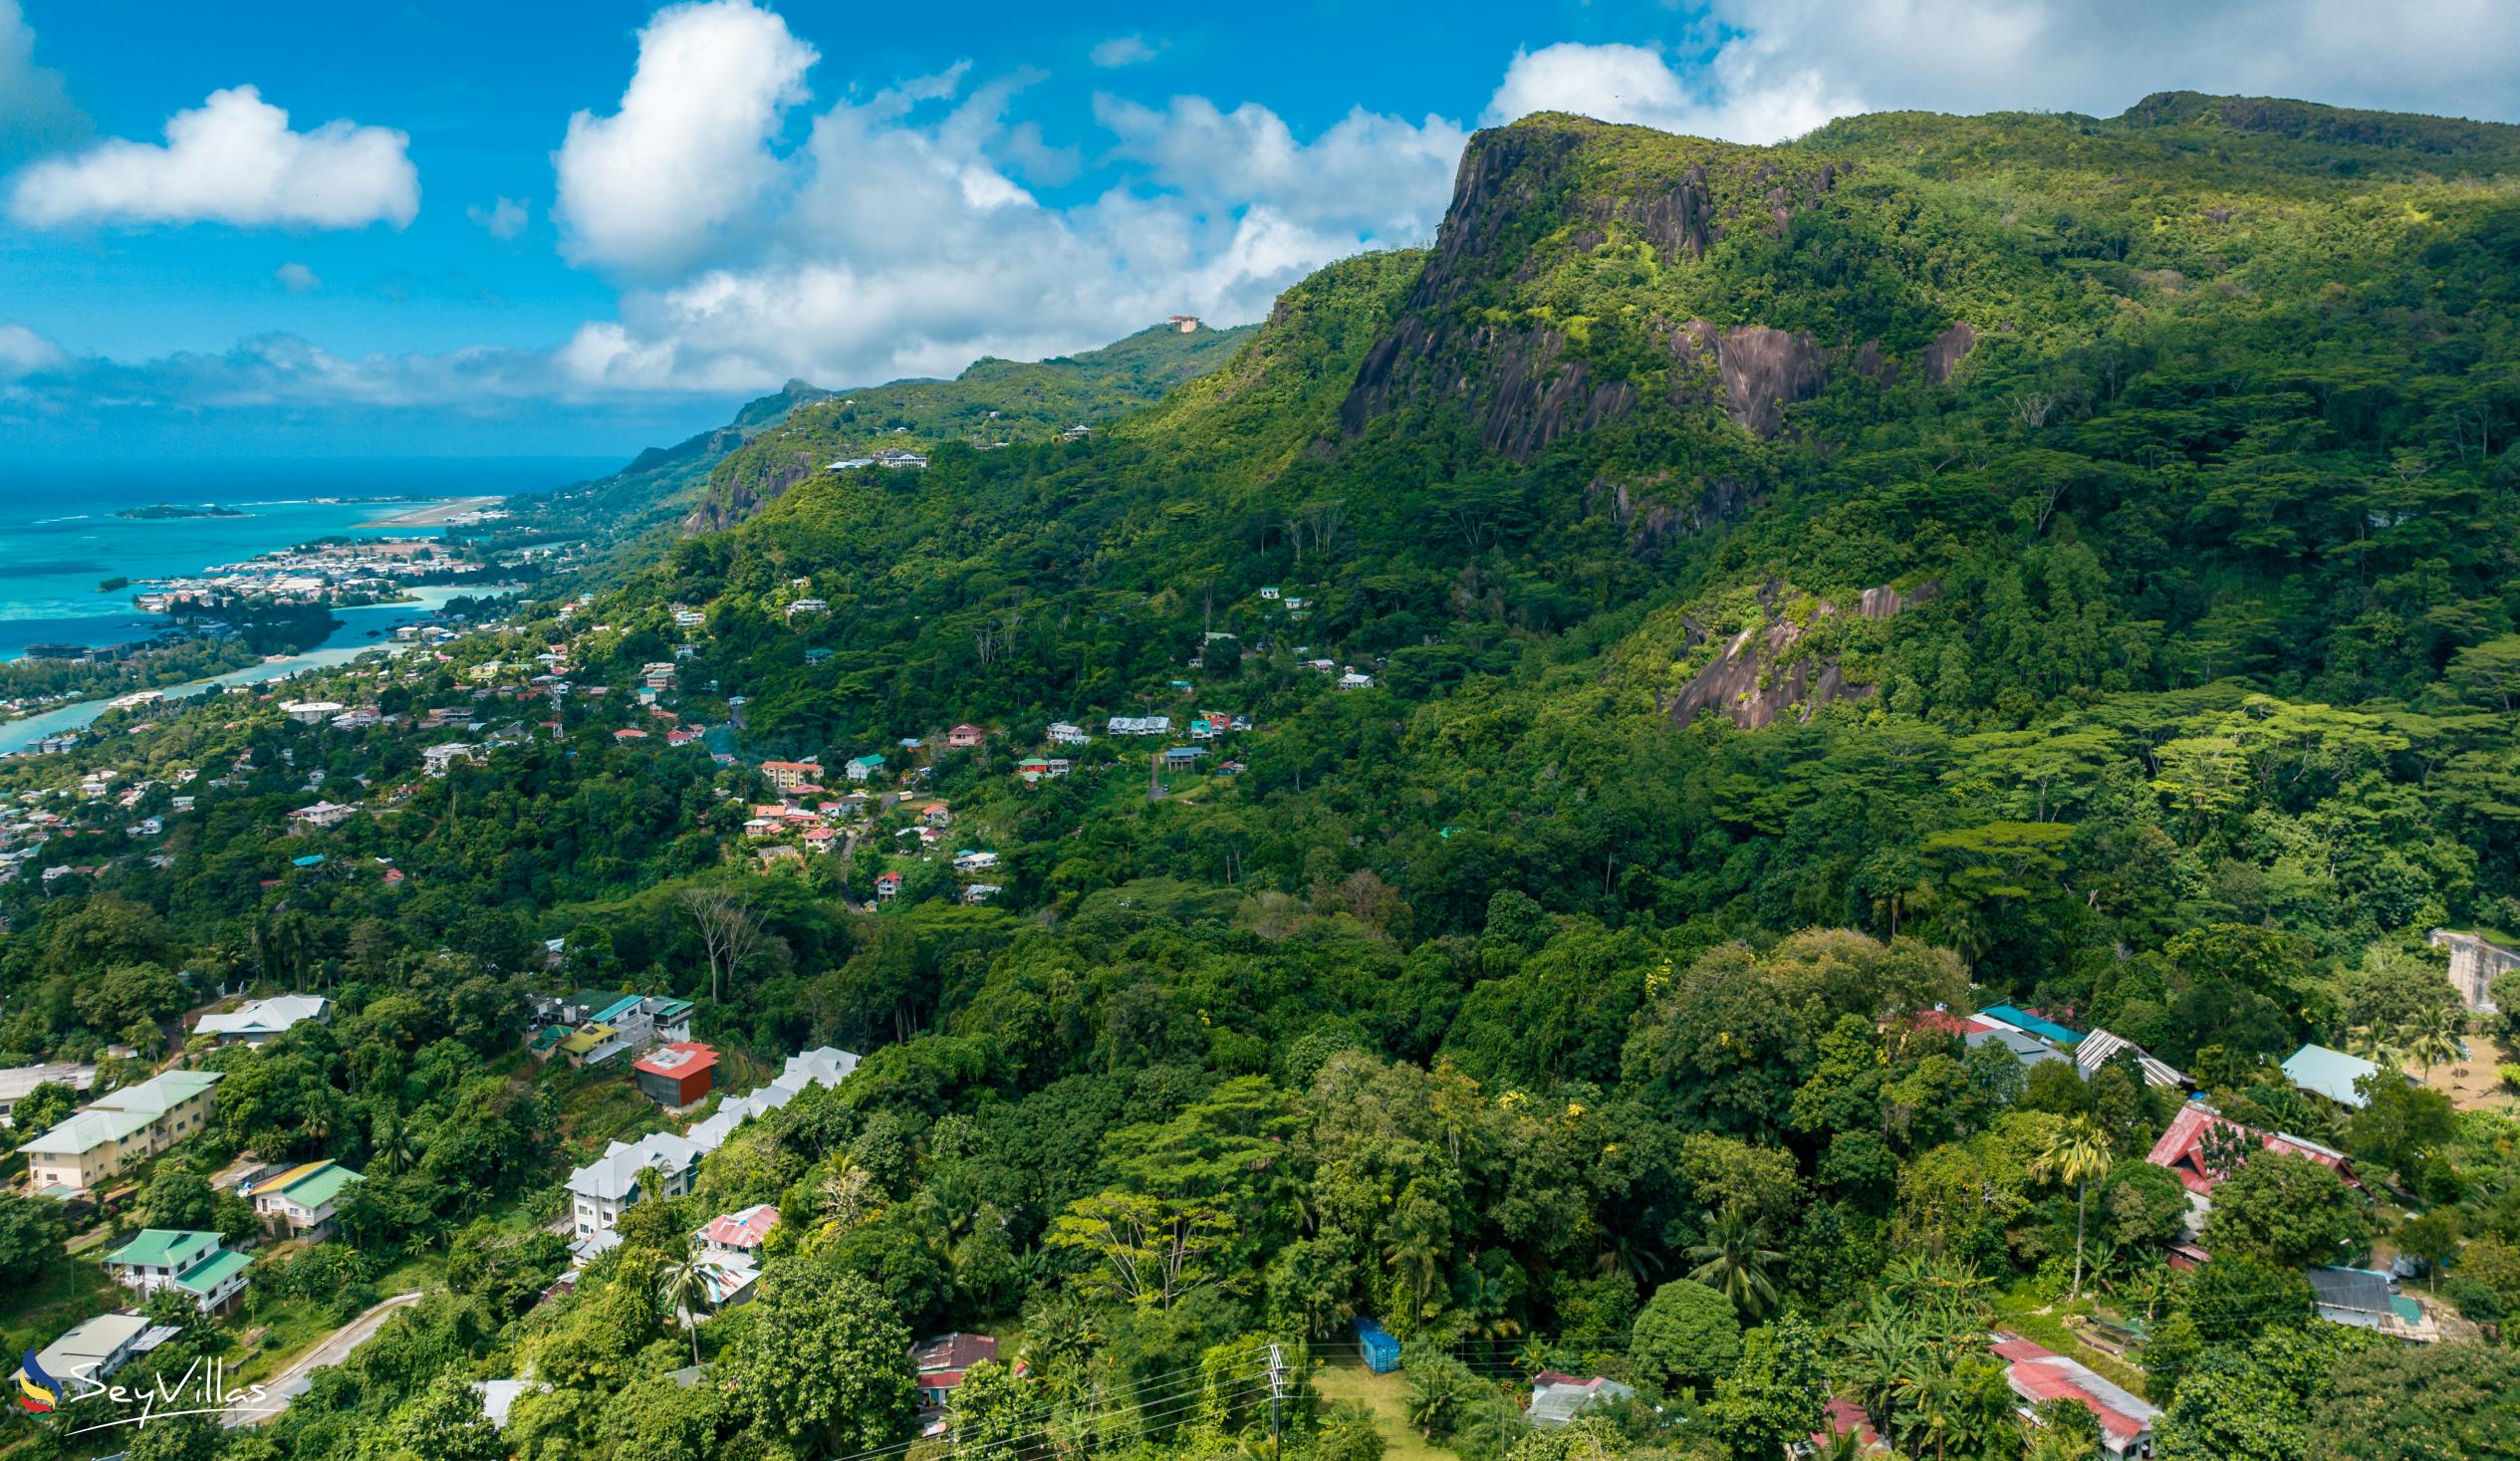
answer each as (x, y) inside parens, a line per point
(290, 1381)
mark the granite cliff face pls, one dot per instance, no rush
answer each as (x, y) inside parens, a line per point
(1529, 199)
(1756, 679)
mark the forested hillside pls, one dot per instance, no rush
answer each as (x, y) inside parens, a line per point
(1639, 672)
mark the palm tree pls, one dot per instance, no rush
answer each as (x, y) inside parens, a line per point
(2433, 1038)
(1417, 1258)
(2377, 1043)
(683, 1288)
(1733, 1263)
(2077, 1153)
(394, 1148)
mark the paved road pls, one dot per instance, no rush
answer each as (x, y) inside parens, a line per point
(291, 1382)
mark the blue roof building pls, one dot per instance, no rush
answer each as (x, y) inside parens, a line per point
(2329, 1073)
(2021, 1019)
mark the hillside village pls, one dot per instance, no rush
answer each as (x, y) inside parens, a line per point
(1842, 799)
(883, 824)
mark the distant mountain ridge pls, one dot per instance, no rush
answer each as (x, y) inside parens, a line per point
(691, 482)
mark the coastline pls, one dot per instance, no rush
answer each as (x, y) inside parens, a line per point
(434, 514)
(363, 628)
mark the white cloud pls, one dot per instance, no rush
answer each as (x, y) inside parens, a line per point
(503, 220)
(24, 353)
(36, 113)
(1779, 68)
(297, 278)
(1749, 98)
(233, 161)
(650, 188)
(903, 245)
(1369, 173)
(1122, 51)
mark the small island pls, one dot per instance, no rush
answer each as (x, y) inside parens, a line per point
(163, 511)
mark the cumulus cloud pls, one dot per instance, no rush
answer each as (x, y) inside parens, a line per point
(297, 278)
(24, 353)
(503, 220)
(1369, 173)
(1746, 97)
(233, 159)
(36, 113)
(1121, 51)
(648, 189)
(1776, 69)
(903, 236)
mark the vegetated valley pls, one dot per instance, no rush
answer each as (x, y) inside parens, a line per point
(1753, 802)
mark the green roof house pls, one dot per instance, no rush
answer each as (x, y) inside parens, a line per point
(195, 1263)
(302, 1199)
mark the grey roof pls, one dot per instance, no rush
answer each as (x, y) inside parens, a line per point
(17, 1081)
(614, 1175)
(2356, 1289)
(89, 1345)
(265, 1016)
(2028, 1049)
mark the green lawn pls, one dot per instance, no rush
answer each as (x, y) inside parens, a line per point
(62, 1292)
(1387, 1396)
(2017, 1311)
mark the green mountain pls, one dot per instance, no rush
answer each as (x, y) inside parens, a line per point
(2134, 486)
(992, 404)
(716, 477)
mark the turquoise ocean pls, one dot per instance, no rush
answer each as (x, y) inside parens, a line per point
(60, 536)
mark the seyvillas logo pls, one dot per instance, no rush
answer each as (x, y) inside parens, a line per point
(37, 1391)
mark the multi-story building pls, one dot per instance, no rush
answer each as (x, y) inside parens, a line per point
(118, 1128)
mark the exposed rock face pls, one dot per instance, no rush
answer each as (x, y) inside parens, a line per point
(1748, 684)
(740, 494)
(1526, 198)
(1652, 520)
(1946, 351)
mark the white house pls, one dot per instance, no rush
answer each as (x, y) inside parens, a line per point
(600, 1190)
(263, 1018)
(302, 1200)
(194, 1264)
(1064, 734)
(439, 759)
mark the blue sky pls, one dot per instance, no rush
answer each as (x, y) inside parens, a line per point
(475, 229)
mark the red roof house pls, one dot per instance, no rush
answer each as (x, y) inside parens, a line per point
(942, 1361)
(2181, 1147)
(963, 737)
(2039, 1374)
(1844, 1415)
(676, 1074)
(741, 1234)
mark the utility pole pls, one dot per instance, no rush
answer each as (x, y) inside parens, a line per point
(1277, 1386)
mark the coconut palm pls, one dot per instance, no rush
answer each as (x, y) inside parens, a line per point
(2077, 1153)
(393, 1148)
(683, 1288)
(2433, 1038)
(2378, 1044)
(1734, 1261)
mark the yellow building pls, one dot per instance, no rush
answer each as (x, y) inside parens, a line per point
(118, 1128)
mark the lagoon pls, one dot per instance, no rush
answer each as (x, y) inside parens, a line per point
(366, 627)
